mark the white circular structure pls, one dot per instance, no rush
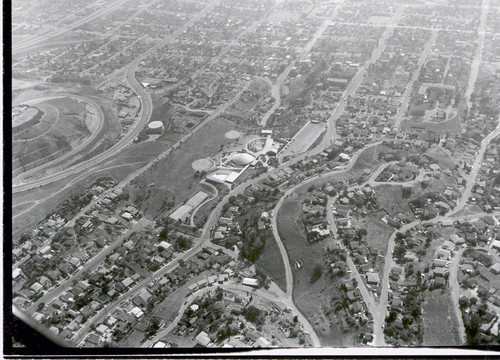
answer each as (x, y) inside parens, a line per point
(240, 159)
(202, 164)
(155, 127)
(232, 134)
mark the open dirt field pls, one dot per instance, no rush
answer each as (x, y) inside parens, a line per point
(60, 129)
(202, 164)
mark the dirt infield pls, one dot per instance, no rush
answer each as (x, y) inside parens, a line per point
(233, 134)
(202, 164)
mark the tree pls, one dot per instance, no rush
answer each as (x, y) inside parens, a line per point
(254, 315)
(152, 328)
(392, 316)
(464, 302)
(182, 243)
(406, 192)
(399, 252)
(316, 274)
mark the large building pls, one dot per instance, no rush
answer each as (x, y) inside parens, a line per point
(240, 159)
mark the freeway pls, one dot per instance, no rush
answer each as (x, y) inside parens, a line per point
(25, 45)
(141, 170)
(146, 111)
(18, 180)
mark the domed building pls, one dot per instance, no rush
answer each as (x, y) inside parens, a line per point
(240, 159)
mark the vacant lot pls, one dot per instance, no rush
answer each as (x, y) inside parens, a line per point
(313, 299)
(378, 232)
(439, 320)
(271, 263)
(59, 130)
(440, 157)
(173, 177)
(390, 199)
(367, 159)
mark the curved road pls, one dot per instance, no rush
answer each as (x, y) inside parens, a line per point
(146, 111)
(20, 179)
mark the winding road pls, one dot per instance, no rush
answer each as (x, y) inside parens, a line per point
(23, 184)
(32, 173)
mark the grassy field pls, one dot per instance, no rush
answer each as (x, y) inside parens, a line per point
(169, 309)
(452, 125)
(135, 337)
(437, 154)
(439, 320)
(493, 280)
(366, 160)
(271, 263)
(173, 177)
(378, 233)
(314, 300)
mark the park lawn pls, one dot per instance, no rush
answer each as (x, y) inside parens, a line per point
(173, 177)
(439, 320)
